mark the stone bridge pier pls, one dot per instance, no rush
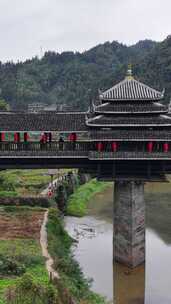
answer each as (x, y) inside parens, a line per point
(129, 223)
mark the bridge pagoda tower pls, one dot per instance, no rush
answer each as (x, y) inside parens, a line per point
(126, 124)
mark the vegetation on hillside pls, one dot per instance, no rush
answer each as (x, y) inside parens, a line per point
(74, 78)
(3, 105)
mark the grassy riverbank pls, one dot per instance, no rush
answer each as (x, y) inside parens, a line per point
(77, 204)
(72, 280)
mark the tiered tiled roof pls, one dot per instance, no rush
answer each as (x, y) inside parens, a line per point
(121, 121)
(136, 107)
(129, 104)
(131, 89)
(130, 135)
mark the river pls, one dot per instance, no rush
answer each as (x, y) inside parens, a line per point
(147, 284)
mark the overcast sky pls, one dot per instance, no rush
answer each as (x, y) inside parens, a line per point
(26, 26)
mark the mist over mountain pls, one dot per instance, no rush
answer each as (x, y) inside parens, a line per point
(74, 78)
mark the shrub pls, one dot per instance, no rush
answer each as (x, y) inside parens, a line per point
(9, 266)
(27, 291)
(9, 181)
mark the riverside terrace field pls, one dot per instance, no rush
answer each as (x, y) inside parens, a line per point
(21, 259)
(20, 251)
(23, 182)
(23, 275)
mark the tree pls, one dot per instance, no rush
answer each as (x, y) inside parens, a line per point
(4, 106)
(67, 78)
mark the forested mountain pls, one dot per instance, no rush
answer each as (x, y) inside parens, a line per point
(74, 78)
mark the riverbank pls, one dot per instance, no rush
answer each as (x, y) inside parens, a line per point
(72, 281)
(78, 201)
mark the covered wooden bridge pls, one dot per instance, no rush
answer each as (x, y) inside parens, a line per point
(128, 124)
(125, 136)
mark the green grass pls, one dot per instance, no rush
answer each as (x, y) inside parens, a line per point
(8, 193)
(21, 248)
(77, 204)
(28, 291)
(27, 252)
(25, 210)
(39, 273)
(4, 284)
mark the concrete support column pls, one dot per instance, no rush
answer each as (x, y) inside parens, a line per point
(129, 223)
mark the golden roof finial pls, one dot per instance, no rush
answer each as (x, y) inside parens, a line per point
(129, 72)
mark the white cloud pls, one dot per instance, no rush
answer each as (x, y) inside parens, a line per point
(60, 25)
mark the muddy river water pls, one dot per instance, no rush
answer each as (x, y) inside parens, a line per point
(147, 284)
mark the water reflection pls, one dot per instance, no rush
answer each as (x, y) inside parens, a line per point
(129, 284)
(158, 265)
(94, 252)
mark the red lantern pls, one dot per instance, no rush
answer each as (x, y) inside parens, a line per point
(15, 137)
(26, 137)
(150, 147)
(50, 136)
(50, 193)
(114, 146)
(100, 146)
(73, 137)
(43, 138)
(2, 136)
(46, 137)
(165, 147)
(18, 137)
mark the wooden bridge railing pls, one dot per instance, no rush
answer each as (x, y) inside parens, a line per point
(122, 155)
(49, 146)
(81, 147)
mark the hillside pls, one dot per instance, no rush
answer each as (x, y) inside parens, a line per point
(74, 78)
